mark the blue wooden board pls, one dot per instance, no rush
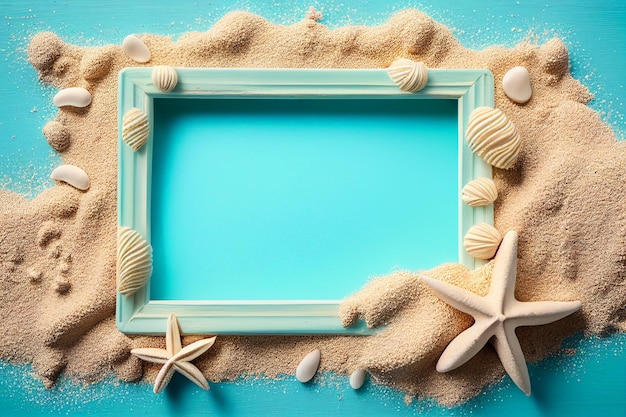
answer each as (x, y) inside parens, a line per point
(593, 382)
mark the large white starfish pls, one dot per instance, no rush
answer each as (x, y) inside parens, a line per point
(497, 314)
(175, 357)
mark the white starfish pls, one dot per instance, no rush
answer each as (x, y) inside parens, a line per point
(175, 357)
(497, 314)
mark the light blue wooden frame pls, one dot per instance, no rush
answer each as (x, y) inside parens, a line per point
(138, 314)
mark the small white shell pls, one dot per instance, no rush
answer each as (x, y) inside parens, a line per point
(516, 85)
(164, 78)
(136, 49)
(480, 192)
(135, 128)
(409, 75)
(72, 175)
(134, 261)
(357, 379)
(73, 96)
(307, 368)
(482, 241)
(493, 137)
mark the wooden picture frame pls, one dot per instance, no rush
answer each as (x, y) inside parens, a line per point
(138, 314)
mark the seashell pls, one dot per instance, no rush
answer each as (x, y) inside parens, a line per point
(357, 379)
(71, 175)
(73, 96)
(134, 261)
(307, 368)
(409, 75)
(482, 241)
(136, 49)
(516, 85)
(480, 192)
(493, 137)
(164, 78)
(135, 128)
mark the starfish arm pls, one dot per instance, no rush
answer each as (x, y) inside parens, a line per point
(510, 353)
(459, 298)
(163, 377)
(466, 345)
(192, 351)
(151, 354)
(537, 313)
(172, 336)
(191, 372)
(502, 287)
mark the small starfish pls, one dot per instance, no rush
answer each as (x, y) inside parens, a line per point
(175, 357)
(497, 314)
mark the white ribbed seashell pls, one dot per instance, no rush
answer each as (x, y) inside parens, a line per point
(480, 192)
(134, 261)
(409, 75)
(493, 137)
(71, 175)
(482, 241)
(135, 128)
(164, 78)
(136, 49)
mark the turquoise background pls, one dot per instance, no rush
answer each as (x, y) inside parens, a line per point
(591, 382)
(301, 199)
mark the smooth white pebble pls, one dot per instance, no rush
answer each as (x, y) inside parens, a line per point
(72, 96)
(307, 368)
(516, 85)
(357, 379)
(136, 49)
(71, 175)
